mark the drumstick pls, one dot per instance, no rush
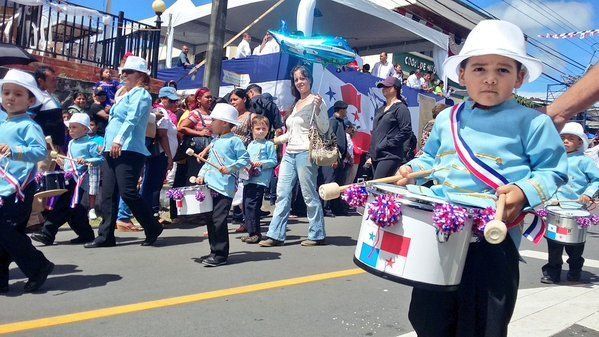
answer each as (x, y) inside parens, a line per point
(496, 230)
(49, 141)
(333, 190)
(191, 153)
(55, 155)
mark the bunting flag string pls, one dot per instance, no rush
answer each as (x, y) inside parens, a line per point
(581, 35)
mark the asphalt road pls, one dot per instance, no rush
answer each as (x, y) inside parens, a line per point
(352, 305)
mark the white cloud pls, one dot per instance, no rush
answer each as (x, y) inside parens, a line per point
(535, 18)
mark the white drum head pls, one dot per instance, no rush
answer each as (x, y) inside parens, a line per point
(407, 194)
(568, 212)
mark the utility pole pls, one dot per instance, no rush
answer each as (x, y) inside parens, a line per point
(214, 55)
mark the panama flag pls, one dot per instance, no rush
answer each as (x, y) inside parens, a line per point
(557, 233)
(383, 250)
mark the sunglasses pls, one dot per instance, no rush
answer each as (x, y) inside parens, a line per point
(128, 71)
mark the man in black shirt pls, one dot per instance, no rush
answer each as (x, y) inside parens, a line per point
(263, 104)
(336, 173)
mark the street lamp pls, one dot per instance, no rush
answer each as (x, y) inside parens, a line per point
(158, 6)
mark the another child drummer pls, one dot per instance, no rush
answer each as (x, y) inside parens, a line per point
(582, 185)
(517, 152)
(227, 152)
(68, 208)
(22, 145)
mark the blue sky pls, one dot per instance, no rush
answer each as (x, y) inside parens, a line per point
(533, 16)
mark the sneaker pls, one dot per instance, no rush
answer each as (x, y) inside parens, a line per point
(253, 239)
(270, 243)
(43, 238)
(573, 276)
(310, 243)
(92, 214)
(212, 261)
(548, 280)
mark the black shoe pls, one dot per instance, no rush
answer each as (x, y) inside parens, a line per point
(42, 238)
(548, 280)
(96, 244)
(79, 240)
(264, 214)
(212, 261)
(150, 240)
(328, 213)
(38, 280)
(573, 276)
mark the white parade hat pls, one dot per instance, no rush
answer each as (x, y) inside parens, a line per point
(226, 113)
(25, 80)
(495, 37)
(79, 117)
(573, 128)
(136, 63)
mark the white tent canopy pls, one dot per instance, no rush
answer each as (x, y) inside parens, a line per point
(368, 27)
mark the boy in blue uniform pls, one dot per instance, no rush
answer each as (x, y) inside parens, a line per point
(582, 185)
(487, 145)
(227, 152)
(68, 207)
(263, 159)
(22, 145)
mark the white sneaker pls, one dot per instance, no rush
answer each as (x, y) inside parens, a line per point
(92, 214)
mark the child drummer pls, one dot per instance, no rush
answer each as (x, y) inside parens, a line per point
(227, 152)
(84, 152)
(22, 145)
(502, 148)
(582, 184)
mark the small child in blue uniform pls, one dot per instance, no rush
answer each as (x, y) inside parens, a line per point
(229, 153)
(263, 159)
(582, 185)
(94, 172)
(22, 145)
(487, 145)
(68, 207)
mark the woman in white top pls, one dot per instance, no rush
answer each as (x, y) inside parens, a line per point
(296, 163)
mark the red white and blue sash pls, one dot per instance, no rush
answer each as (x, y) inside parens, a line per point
(14, 182)
(487, 174)
(79, 179)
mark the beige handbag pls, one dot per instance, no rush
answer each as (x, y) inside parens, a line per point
(323, 150)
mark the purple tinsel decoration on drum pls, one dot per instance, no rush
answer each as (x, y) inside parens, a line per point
(68, 175)
(200, 195)
(355, 196)
(584, 222)
(542, 213)
(39, 176)
(175, 194)
(595, 219)
(480, 217)
(449, 219)
(384, 211)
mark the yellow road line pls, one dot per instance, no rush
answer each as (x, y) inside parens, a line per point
(167, 302)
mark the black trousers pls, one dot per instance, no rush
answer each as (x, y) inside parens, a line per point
(62, 212)
(15, 245)
(330, 175)
(218, 230)
(484, 302)
(253, 195)
(385, 168)
(553, 268)
(119, 178)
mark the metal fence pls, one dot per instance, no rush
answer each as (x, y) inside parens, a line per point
(76, 33)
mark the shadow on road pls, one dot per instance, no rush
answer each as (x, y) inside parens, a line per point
(245, 256)
(67, 283)
(178, 240)
(59, 269)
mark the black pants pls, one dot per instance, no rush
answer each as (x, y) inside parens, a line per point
(119, 178)
(253, 195)
(15, 245)
(330, 175)
(385, 168)
(62, 212)
(484, 302)
(154, 175)
(553, 268)
(218, 230)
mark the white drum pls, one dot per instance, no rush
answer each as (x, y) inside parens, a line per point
(189, 205)
(562, 226)
(410, 252)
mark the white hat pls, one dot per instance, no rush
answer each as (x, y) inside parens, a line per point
(573, 128)
(79, 117)
(226, 113)
(136, 63)
(494, 37)
(25, 80)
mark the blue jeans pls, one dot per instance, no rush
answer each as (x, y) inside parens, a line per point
(124, 212)
(297, 166)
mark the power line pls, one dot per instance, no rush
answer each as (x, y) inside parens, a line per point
(558, 15)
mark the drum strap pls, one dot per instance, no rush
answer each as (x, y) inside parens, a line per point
(487, 174)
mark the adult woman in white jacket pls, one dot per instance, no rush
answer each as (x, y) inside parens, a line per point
(296, 163)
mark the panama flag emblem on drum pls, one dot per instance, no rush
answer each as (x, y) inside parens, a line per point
(557, 233)
(384, 250)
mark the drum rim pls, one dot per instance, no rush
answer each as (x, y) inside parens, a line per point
(52, 193)
(397, 279)
(567, 243)
(551, 211)
(189, 188)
